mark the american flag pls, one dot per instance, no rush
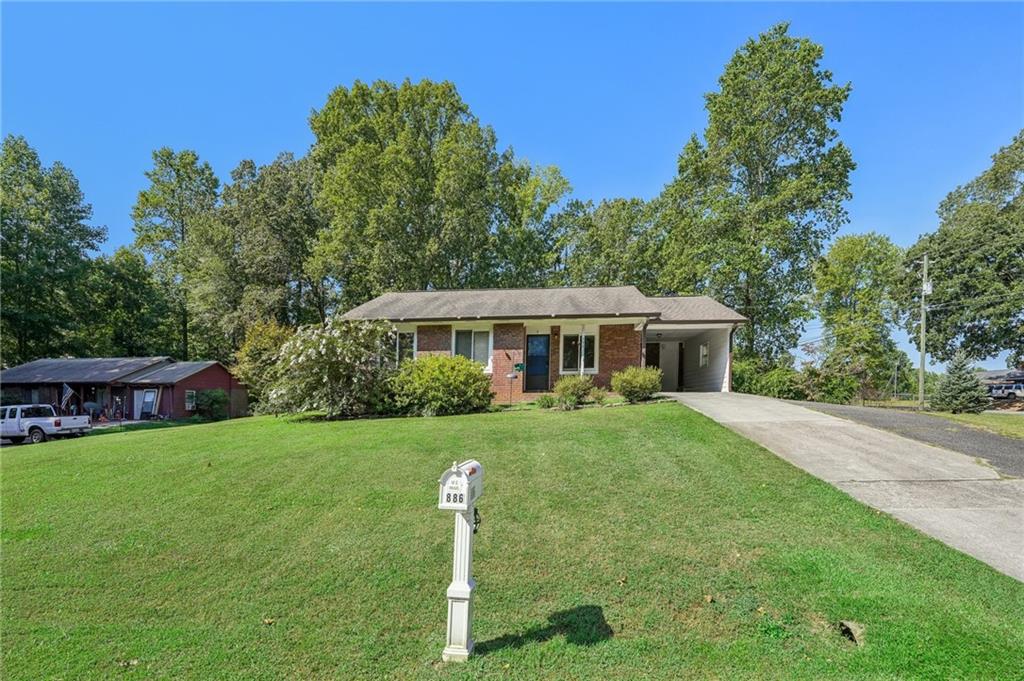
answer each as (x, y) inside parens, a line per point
(68, 392)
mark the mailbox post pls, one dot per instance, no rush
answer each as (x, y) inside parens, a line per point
(460, 487)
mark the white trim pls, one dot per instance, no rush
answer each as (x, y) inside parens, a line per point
(577, 330)
(476, 327)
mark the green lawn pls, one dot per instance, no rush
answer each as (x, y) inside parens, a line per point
(1008, 424)
(616, 543)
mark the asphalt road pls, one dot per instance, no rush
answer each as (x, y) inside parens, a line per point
(1005, 454)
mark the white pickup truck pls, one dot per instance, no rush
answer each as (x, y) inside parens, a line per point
(39, 422)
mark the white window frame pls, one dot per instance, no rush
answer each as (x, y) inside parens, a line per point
(579, 331)
(477, 328)
(193, 400)
(704, 358)
(398, 345)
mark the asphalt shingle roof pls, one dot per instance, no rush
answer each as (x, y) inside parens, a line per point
(525, 303)
(694, 309)
(90, 370)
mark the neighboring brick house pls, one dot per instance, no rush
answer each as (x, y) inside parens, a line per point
(121, 387)
(553, 332)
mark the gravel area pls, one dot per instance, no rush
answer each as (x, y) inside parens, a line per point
(1005, 454)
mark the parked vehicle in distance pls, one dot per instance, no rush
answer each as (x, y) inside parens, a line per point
(1011, 390)
(39, 422)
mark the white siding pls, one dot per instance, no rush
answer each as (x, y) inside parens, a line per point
(715, 376)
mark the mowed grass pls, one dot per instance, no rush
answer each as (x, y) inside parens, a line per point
(1010, 424)
(635, 542)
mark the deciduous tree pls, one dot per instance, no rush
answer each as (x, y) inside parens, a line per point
(45, 240)
(182, 191)
(754, 203)
(976, 266)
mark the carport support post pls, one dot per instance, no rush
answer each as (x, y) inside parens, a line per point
(460, 591)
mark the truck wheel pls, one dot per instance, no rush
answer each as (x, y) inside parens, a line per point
(36, 435)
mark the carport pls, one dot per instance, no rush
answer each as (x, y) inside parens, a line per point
(692, 357)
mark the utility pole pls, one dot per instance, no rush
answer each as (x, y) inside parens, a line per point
(926, 288)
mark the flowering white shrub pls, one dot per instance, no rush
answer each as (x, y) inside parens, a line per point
(341, 369)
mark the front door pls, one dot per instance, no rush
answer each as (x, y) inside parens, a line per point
(537, 357)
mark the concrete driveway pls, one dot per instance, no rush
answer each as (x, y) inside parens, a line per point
(955, 498)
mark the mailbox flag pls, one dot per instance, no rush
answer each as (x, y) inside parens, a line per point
(68, 392)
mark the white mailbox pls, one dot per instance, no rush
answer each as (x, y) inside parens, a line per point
(458, 490)
(461, 485)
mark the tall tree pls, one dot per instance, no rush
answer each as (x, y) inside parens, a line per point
(616, 243)
(125, 313)
(754, 202)
(182, 191)
(528, 233)
(418, 195)
(976, 266)
(45, 241)
(855, 291)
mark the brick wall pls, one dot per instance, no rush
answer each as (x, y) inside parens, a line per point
(619, 346)
(434, 340)
(509, 344)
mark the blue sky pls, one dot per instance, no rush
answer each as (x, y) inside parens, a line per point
(607, 92)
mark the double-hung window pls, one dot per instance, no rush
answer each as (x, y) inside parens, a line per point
(406, 345)
(577, 347)
(704, 355)
(190, 400)
(474, 345)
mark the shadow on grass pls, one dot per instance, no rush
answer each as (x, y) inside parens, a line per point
(582, 626)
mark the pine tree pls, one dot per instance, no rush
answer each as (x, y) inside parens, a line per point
(960, 390)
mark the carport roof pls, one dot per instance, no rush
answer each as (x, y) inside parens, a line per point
(76, 370)
(694, 309)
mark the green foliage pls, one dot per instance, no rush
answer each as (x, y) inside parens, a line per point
(573, 389)
(782, 382)
(568, 402)
(615, 244)
(256, 362)
(976, 266)
(418, 196)
(960, 390)
(745, 371)
(546, 401)
(44, 263)
(341, 369)
(125, 312)
(637, 384)
(212, 405)
(251, 260)
(753, 377)
(599, 396)
(181, 193)
(440, 385)
(754, 203)
(828, 384)
(854, 290)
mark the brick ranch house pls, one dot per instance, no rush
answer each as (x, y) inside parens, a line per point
(122, 387)
(558, 331)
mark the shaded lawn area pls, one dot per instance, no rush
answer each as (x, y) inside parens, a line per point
(636, 541)
(1010, 424)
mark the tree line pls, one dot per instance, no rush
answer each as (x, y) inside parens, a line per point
(404, 188)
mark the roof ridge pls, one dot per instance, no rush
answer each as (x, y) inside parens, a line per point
(512, 288)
